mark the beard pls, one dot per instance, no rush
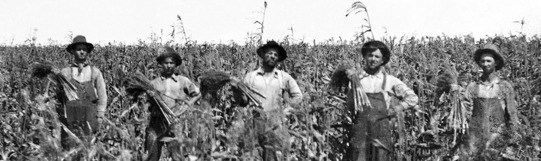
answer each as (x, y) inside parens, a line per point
(270, 63)
(373, 65)
(168, 71)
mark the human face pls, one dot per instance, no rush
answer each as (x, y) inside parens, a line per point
(270, 57)
(80, 52)
(373, 60)
(487, 63)
(168, 65)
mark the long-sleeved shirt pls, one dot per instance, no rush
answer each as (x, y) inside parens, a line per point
(393, 86)
(274, 87)
(175, 88)
(495, 89)
(89, 73)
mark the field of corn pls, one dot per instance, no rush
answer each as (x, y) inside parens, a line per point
(219, 130)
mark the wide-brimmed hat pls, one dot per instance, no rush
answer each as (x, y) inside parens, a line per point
(374, 45)
(168, 52)
(272, 44)
(492, 49)
(79, 39)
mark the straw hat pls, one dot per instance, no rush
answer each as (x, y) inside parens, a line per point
(377, 45)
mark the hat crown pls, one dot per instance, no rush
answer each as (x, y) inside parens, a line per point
(491, 47)
(79, 39)
(272, 42)
(166, 50)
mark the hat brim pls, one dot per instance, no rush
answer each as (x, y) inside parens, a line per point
(495, 54)
(281, 51)
(176, 58)
(72, 46)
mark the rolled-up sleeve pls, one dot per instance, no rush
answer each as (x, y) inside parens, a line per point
(191, 89)
(294, 91)
(407, 96)
(101, 92)
(511, 103)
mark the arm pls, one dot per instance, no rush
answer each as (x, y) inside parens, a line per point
(405, 94)
(510, 103)
(238, 96)
(102, 94)
(193, 92)
(295, 93)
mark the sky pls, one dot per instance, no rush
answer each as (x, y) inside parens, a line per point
(223, 21)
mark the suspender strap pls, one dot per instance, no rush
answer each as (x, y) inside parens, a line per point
(384, 81)
(93, 76)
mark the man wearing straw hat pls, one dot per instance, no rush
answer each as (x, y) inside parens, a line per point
(177, 92)
(494, 116)
(274, 84)
(371, 100)
(85, 107)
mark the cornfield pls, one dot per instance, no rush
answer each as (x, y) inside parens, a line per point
(30, 129)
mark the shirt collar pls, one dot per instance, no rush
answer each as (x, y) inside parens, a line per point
(377, 75)
(77, 65)
(173, 77)
(260, 71)
(495, 81)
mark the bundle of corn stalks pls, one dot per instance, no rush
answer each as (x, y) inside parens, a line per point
(46, 69)
(214, 80)
(341, 78)
(138, 83)
(457, 117)
(42, 69)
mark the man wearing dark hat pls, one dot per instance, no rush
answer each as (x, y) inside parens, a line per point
(178, 92)
(274, 84)
(85, 112)
(385, 96)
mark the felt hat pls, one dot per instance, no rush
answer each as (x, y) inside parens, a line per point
(272, 44)
(79, 39)
(168, 52)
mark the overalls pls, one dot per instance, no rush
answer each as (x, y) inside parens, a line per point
(369, 126)
(81, 114)
(488, 119)
(159, 128)
(271, 132)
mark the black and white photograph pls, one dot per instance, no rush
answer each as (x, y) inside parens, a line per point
(270, 80)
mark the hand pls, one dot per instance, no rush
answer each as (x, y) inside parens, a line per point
(288, 110)
(151, 93)
(100, 116)
(234, 81)
(55, 70)
(190, 103)
(455, 87)
(350, 72)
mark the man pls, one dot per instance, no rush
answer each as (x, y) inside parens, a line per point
(371, 133)
(273, 84)
(177, 92)
(86, 112)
